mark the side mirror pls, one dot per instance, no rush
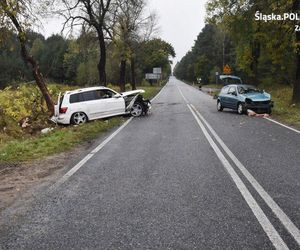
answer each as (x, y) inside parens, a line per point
(117, 96)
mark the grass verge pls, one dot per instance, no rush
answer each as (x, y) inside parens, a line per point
(284, 110)
(212, 86)
(61, 139)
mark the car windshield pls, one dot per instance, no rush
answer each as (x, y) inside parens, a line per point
(231, 80)
(248, 89)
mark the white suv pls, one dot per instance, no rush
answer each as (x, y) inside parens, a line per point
(82, 105)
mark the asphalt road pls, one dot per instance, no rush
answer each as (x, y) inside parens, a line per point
(184, 177)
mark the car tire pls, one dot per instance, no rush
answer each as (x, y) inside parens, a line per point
(137, 109)
(240, 108)
(79, 118)
(219, 106)
(269, 111)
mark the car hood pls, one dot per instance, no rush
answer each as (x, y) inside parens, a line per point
(133, 92)
(258, 96)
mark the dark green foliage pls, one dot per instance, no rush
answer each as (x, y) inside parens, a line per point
(260, 52)
(74, 61)
(205, 55)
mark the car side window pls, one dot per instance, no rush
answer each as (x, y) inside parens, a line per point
(89, 95)
(231, 90)
(104, 94)
(224, 90)
(76, 98)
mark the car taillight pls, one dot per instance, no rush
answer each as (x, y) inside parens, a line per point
(63, 110)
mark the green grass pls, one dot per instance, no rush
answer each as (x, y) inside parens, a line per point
(59, 140)
(212, 86)
(150, 91)
(284, 110)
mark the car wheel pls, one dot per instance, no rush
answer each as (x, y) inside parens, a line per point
(240, 109)
(219, 106)
(137, 109)
(269, 111)
(79, 118)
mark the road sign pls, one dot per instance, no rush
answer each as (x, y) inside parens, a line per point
(227, 70)
(157, 70)
(152, 76)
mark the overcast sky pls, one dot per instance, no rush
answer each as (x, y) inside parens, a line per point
(180, 22)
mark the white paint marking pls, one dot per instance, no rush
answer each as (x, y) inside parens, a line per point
(285, 220)
(93, 152)
(290, 128)
(159, 92)
(257, 211)
(89, 156)
(186, 101)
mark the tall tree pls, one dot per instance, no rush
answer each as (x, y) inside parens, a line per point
(132, 27)
(17, 15)
(296, 89)
(97, 15)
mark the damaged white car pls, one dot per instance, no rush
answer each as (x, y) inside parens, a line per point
(82, 105)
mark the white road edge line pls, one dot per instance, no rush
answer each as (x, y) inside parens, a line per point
(74, 169)
(159, 92)
(186, 101)
(257, 211)
(284, 219)
(89, 156)
(285, 126)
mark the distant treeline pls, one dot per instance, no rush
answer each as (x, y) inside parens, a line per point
(258, 51)
(74, 61)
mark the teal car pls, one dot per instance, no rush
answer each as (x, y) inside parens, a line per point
(242, 97)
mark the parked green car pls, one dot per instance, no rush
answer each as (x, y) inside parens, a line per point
(241, 97)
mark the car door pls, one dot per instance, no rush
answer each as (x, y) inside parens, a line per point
(104, 103)
(91, 103)
(110, 103)
(223, 96)
(232, 97)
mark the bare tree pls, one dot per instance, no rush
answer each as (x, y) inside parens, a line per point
(96, 14)
(19, 15)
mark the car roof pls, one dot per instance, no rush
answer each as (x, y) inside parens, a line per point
(85, 89)
(229, 76)
(239, 85)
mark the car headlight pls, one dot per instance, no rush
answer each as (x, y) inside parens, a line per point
(248, 100)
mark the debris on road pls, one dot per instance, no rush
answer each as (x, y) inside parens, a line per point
(251, 113)
(46, 130)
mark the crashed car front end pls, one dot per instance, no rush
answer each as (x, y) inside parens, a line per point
(250, 104)
(259, 101)
(134, 97)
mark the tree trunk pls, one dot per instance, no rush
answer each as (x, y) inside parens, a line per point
(39, 79)
(255, 46)
(132, 67)
(29, 58)
(122, 75)
(102, 60)
(296, 87)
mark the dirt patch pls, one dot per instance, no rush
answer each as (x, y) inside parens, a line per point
(23, 179)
